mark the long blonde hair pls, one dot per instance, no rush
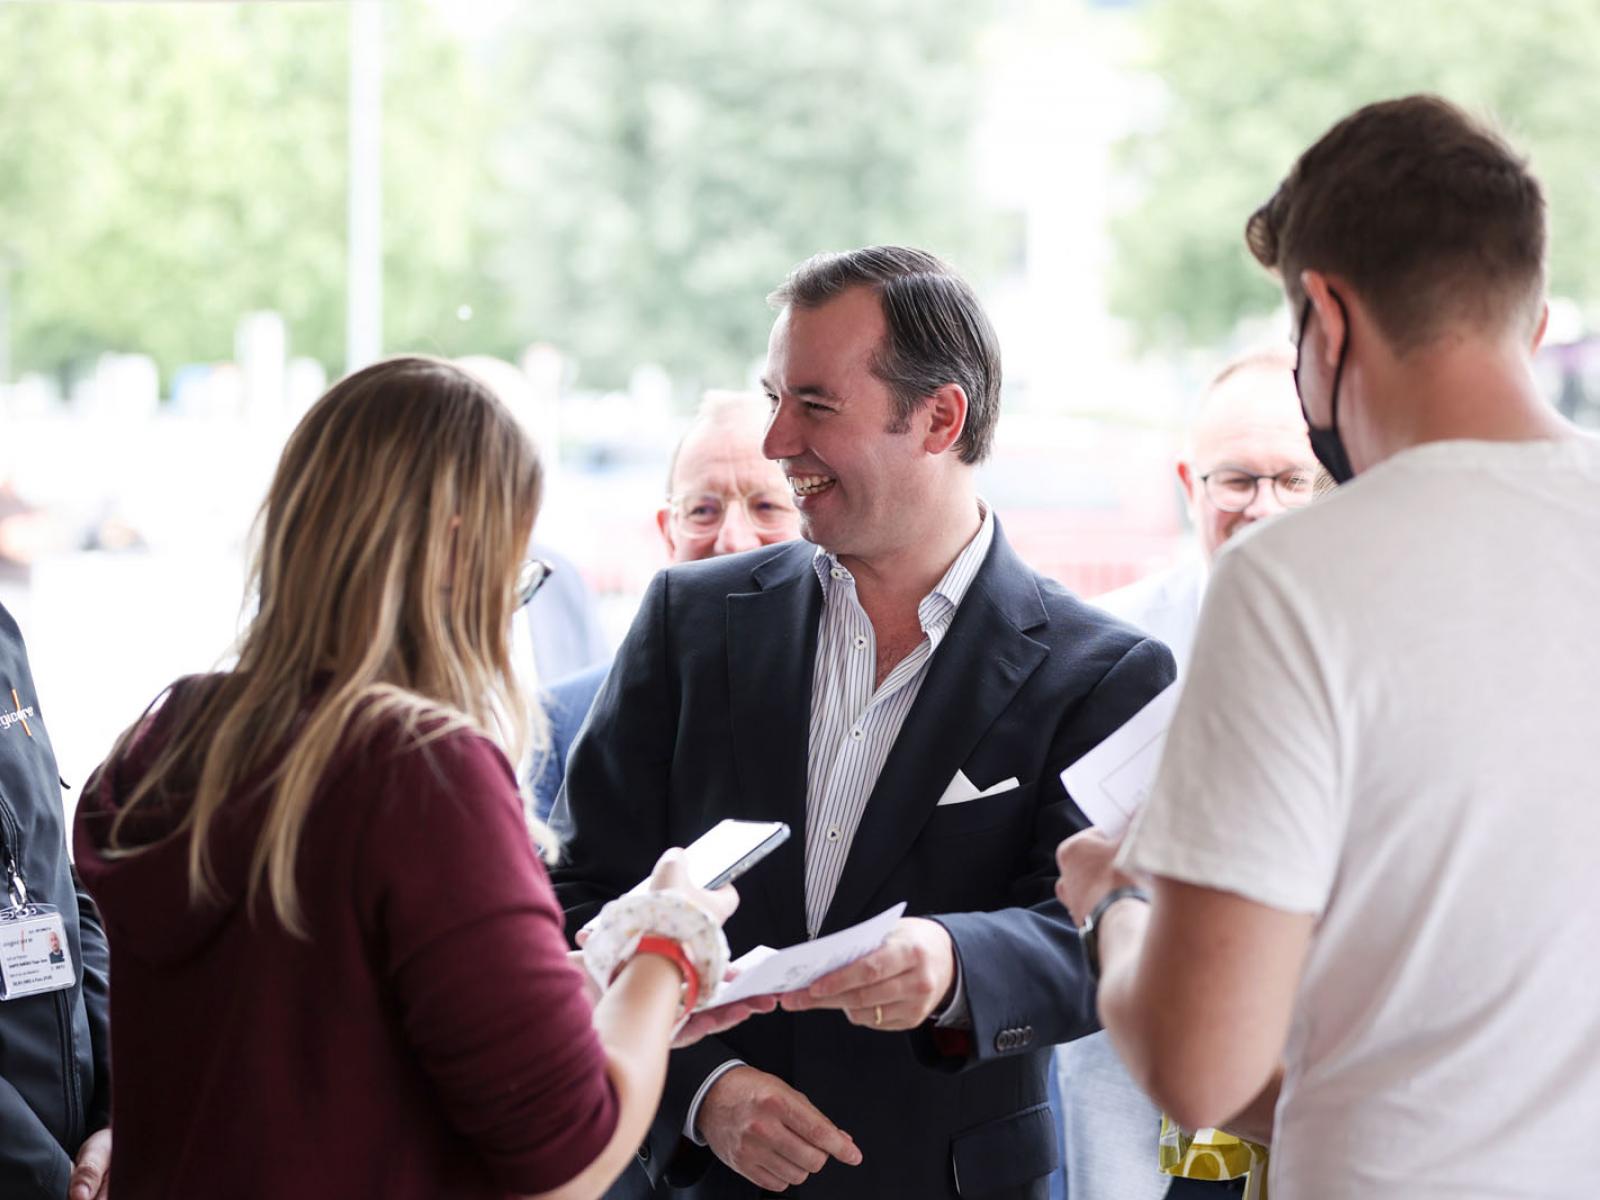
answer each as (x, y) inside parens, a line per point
(387, 553)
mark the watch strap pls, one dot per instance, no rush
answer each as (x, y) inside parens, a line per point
(1090, 932)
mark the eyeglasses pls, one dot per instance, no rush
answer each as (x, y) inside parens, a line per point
(700, 515)
(1233, 491)
(530, 578)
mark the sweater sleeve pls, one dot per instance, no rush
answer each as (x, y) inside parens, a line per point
(470, 937)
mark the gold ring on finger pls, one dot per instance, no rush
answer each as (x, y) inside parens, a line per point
(877, 1014)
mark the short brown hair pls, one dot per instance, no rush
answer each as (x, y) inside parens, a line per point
(937, 331)
(1426, 211)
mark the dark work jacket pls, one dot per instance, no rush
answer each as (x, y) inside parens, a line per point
(54, 1048)
(706, 714)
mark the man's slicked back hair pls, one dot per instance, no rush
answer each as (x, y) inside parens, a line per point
(937, 331)
(1428, 213)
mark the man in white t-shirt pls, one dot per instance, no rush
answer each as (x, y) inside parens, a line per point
(1370, 848)
(1246, 460)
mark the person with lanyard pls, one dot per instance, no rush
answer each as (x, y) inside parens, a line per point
(55, 1069)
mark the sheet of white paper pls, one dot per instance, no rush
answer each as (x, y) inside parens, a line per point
(768, 972)
(1111, 781)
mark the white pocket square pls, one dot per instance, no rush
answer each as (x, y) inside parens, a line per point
(962, 789)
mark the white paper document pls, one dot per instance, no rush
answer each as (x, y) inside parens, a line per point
(768, 972)
(1111, 782)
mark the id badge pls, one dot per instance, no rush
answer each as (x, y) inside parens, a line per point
(33, 952)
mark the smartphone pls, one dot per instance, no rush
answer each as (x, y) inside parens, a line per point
(730, 848)
(723, 853)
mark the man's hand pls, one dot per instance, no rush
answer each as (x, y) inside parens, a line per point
(91, 1171)
(768, 1132)
(898, 986)
(1084, 861)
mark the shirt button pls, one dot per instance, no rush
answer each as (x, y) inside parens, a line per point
(838, 572)
(857, 734)
(833, 833)
(861, 642)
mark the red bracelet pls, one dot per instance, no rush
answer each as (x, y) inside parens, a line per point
(673, 952)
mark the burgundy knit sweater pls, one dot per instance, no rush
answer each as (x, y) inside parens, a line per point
(429, 1040)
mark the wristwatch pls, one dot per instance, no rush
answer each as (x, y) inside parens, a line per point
(1090, 933)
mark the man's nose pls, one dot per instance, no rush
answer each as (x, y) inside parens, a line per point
(779, 441)
(737, 533)
(1264, 503)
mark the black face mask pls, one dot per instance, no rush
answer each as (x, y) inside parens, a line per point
(1326, 444)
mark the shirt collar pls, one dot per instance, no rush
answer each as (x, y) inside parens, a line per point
(938, 606)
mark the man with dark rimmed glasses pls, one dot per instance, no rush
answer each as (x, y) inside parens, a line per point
(1246, 460)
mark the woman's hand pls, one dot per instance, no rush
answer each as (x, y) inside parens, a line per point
(672, 875)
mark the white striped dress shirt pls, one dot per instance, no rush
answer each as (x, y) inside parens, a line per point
(853, 724)
(853, 728)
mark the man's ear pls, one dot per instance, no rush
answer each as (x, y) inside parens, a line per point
(945, 411)
(1188, 479)
(664, 526)
(1326, 312)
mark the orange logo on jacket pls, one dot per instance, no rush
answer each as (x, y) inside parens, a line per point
(21, 715)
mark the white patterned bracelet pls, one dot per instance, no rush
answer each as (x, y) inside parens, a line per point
(669, 914)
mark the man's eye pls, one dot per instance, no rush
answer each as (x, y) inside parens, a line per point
(1234, 482)
(700, 512)
(813, 406)
(765, 505)
(1295, 481)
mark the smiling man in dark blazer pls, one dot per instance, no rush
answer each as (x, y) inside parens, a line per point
(903, 691)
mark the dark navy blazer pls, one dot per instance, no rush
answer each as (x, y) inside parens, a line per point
(706, 714)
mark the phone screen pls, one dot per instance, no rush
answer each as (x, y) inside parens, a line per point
(727, 844)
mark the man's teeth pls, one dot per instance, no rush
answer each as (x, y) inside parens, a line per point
(809, 485)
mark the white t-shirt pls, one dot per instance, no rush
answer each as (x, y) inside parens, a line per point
(1392, 721)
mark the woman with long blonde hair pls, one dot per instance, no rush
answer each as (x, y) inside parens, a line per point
(339, 964)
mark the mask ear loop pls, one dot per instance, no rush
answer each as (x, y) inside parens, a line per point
(1338, 370)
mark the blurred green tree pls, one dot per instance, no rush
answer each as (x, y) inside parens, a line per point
(1250, 83)
(167, 168)
(624, 179)
(668, 163)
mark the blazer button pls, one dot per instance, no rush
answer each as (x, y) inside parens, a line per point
(1002, 1042)
(1027, 1034)
(643, 1154)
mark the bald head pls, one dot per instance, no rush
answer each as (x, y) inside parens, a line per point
(1249, 423)
(718, 468)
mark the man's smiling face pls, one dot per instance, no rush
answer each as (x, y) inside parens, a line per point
(832, 428)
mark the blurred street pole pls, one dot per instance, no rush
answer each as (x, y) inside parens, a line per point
(364, 284)
(6, 263)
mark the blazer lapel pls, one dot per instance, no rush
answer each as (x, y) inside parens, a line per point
(772, 649)
(985, 657)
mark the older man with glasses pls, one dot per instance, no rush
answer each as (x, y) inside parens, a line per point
(1247, 460)
(723, 496)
